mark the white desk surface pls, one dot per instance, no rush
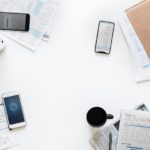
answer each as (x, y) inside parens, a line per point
(64, 78)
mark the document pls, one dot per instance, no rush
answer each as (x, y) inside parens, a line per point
(139, 18)
(139, 58)
(100, 139)
(41, 12)
(134, 131)
(133, 41)
(7, 138)
(3, 121)
(49, 26)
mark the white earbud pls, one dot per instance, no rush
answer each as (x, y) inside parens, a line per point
(2, 44)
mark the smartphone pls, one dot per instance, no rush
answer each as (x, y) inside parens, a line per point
(104, 37)
(14, 21)
(14, 111)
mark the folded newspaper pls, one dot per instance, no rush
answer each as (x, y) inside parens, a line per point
(139, 58)
(100, 139)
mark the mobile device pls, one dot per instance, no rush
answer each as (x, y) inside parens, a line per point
(104, 37)
(13, 108)
(14, 21)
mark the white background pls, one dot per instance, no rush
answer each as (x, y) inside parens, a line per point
(64, 78)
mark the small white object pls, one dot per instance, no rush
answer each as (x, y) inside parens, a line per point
(2, 44)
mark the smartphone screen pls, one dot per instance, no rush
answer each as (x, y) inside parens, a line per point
(104, 37)
(14, 21)
(14, 109)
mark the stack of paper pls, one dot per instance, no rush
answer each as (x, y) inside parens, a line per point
(7, 138)
(140, 60)
(42, 14)
(100, 139)
(134, 131)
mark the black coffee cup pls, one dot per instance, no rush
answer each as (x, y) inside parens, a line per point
(97, 117)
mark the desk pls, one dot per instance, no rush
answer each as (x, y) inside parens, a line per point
(64, 78)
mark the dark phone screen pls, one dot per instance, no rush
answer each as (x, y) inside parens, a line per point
(14, 109)
(13, 21)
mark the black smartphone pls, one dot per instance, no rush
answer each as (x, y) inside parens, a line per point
(14, 21)
(104, 37)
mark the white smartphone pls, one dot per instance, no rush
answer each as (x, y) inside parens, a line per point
(104, 37)
(14, 110)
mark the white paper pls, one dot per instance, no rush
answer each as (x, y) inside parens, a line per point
(41, 12)
(49, 26)
(137, 48)
(3, 121)
(134, 132)
(139, 57)
(48, 29)
(7, 138)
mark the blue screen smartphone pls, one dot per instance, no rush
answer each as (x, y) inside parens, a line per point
(13, 109)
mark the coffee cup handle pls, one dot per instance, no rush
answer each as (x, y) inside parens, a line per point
(110, 116)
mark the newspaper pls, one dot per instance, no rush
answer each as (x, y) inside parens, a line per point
(134, 132)
(41, 12)
(100, 139)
